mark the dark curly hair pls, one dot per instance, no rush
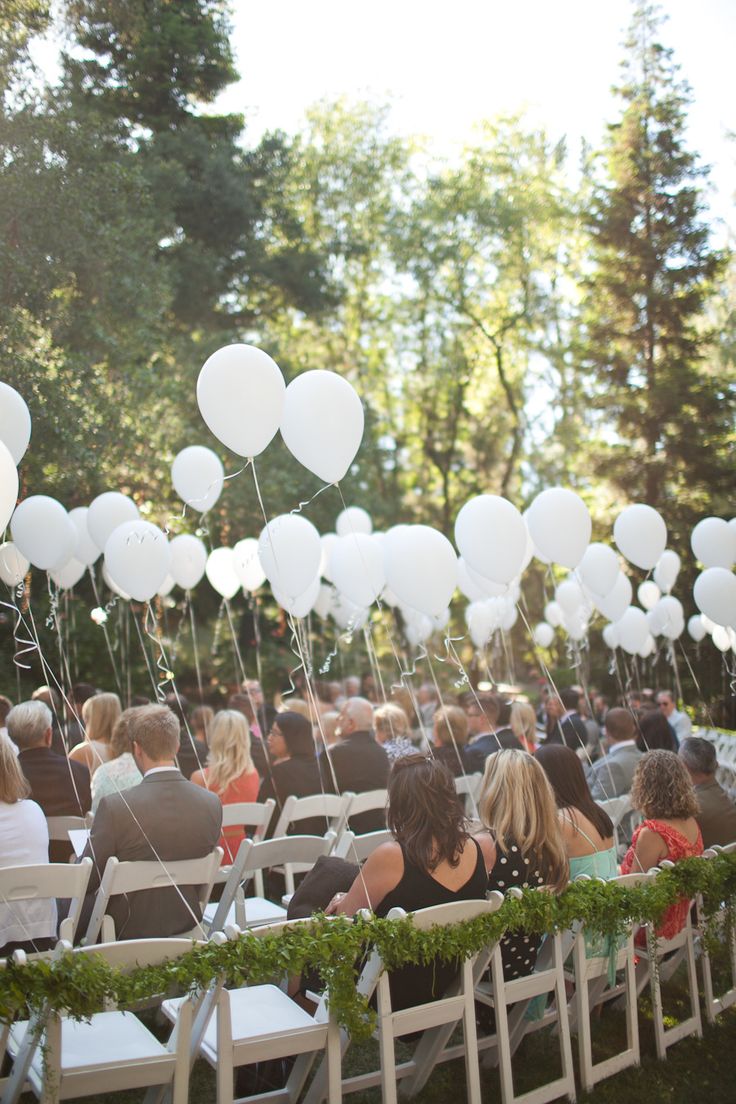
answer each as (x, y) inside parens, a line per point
(662, 788)
(425, 813)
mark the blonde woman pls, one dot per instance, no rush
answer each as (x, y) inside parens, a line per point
(230, 772)
(449, 736)
(29, 925)
(120, 772)
(523, 724)
(391, 726)
(518, 808)
(99, 715)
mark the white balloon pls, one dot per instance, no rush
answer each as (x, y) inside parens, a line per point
(421, 567)
(68, 575)
(569, 596)
(610, 636)
(8, 486)
(188, 560)
(641, 535)
(696, 628)
(347, 616)
(708, 625)
(323, 604)
(576, 626)
(667, 570)
(614, 604)
(721, 638)
(510, 614)
(559, 525)
(417, 627)
(648, 594)
(247, 565)
(113, 587)
(713, 542)
(13, 565)
(667, 618)
(492, 537)
(138, 556)
(86, 551)
(356, 565)
(487, 587)
(481, 621)
(649, 646)
(554, 614)
(353, 519)
(327, 541)
(198, 477)
(166, 587)
(633, 630)
(467, 584)
(42, 532)
(715, 595)
(599, 569)
(543, 634)
(220, 570)
(531, 548)
(290, 551)
(322, 424)
(303, 603)
(106, 513)
(240, 393)
(15, 424)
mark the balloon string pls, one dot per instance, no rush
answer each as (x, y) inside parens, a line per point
(23, 646)
(298, 509)
(195, 646)
(693, 676)
(103, 625)
(147, 659)
(202, 498)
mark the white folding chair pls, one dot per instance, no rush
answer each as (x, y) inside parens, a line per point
(260, 1022)
(623, 818)
(369, 801)
(255, 815)
(62, 1058)
(714, 1003)
(468, 786)
(60, 826)
(332, 807)
(49, 881)
(358, 848)
(132, 877)
(252, 858)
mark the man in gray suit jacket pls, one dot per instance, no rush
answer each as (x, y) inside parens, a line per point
(612, 775)
(164, 818)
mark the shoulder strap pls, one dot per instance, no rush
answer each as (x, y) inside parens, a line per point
(580, 830)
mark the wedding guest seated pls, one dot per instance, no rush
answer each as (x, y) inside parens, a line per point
(449, 737)
(518, 808)
(294, 771)
(488, 728)
(586, 828)
(564, 723)
(612, 775)
(663, 792)
(99, 714)
(24, 841)
(163, 819)
(52, 698)
(392, 730)
(654, 731)
(78, 695)
(201, 721)
(121, 771)
(59, 785)
(327, 734)
(357, 763)
(523, 724)
(245, 704)
(716, 813)
(230, 772)
(681, 723)
(5, 706)
(432, 860)
(192, 751)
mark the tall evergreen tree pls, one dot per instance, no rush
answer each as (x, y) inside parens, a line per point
(646, 341)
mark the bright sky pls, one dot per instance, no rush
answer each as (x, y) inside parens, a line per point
(445, 66)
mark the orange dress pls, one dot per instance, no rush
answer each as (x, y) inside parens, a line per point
(243, 788)
(678, 847)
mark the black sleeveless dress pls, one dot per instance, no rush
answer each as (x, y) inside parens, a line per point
(412, 985)
(512, 868)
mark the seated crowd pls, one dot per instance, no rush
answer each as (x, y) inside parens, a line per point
(156, 778)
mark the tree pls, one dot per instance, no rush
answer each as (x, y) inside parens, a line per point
(665, 408)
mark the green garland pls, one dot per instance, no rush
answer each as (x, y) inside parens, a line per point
(82, 984)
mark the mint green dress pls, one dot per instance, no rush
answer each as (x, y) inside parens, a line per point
(600, 864)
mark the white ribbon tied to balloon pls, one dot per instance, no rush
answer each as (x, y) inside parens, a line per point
(240, 394)
(198, 477)
(138, 557)
(322, 424)
(421, 567)
(290, 551)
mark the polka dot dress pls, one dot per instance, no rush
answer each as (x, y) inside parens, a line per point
(518, 950)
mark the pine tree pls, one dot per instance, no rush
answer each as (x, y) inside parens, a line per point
(647, 343)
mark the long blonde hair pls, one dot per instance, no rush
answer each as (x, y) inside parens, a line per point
(229, 749)
(518, 806)
(523, 724)
(13, 784)
(99, 713)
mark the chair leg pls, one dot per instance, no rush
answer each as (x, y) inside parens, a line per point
(334, 1063)
(657, 1013)
(470, 1037)
(386, 1043)
(632, 1007)
(224, 1073)
(503, 1043)
(582, 1016)
(692, 976)
(50, 1093)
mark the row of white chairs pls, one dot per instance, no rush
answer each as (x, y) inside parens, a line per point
(60, 1058)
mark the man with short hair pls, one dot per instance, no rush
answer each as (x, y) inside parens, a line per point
(165, 818)
(680, 722)
(612, 775)
(358, 761)
(488, 728)
(717, 816)
(52, 698)
(59, 785)
(566, 725)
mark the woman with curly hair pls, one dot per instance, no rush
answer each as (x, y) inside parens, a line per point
(663, 791)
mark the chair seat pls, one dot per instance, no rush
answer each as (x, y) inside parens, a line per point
(258, 911)
(108, 1037)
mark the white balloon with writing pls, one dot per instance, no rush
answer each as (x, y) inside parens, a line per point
(240, 394)
(138, 557)
(247, 564)
(198, 477)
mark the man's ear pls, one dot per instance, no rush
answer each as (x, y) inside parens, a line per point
(48, 737)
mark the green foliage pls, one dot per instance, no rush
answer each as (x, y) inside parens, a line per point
(82, 983)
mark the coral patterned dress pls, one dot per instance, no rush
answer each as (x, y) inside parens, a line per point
(678, 847)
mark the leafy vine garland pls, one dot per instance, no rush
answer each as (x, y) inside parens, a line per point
(83, 984)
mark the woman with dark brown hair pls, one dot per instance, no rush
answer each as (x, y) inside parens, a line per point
(431, 860)
(586, 828)
(655, 733)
